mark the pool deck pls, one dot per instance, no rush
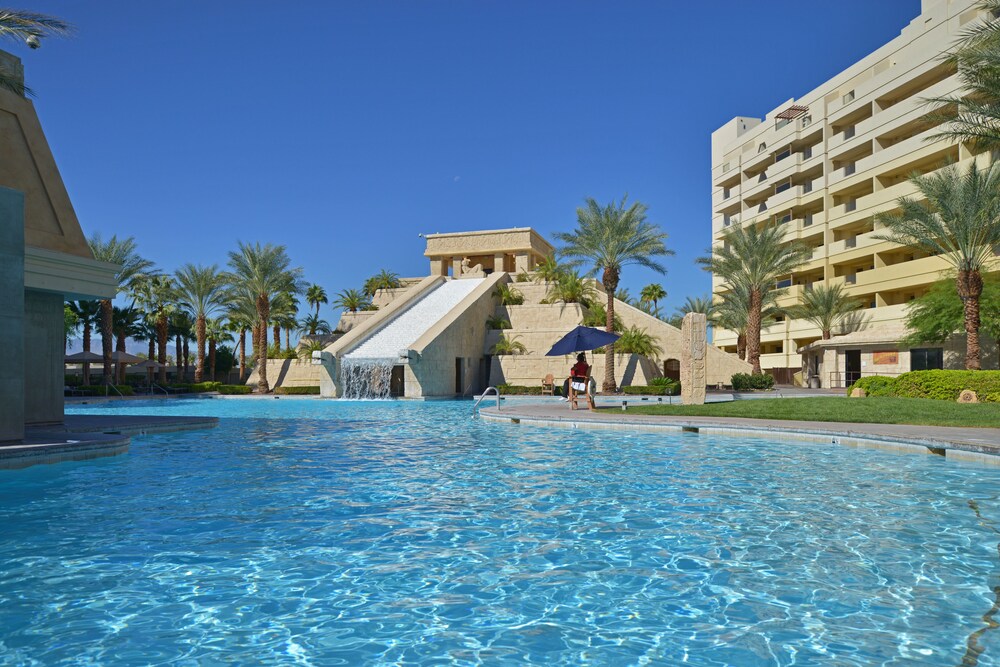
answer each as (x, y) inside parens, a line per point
(82, 437)
(973, 444)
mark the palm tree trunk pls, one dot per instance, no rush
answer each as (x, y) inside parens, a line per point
(178, 358)
(161, 347)
(152, 350)
(106, 335)
(86, 348)
(753, 331)
(277, 337)
(970, 288)
(263, 312)
(741, 345)
(610, 281)
(243, 355)
(211, 359)
(120, 346)
(199, 360)
(288, 339)
(187, 357)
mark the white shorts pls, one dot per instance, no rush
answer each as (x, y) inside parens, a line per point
(579, 386)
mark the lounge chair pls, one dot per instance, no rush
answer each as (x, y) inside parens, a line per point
(549, 385)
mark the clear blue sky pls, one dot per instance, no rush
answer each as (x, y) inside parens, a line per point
(343, 129)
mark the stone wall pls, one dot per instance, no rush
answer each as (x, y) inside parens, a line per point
(12, 314)
(289, 373)
(43, 358)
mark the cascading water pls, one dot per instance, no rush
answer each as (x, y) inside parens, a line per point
(366, 371)
(366, 379)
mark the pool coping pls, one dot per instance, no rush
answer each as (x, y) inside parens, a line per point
(82, 437)
(981, 445)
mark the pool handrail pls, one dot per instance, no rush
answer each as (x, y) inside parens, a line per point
(484, 395)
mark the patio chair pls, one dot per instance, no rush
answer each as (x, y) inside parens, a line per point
(549, 385)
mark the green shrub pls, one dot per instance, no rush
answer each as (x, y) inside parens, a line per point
(519, 390)
(202, 387)
(946, 385)
(297, 391)
(73, 380)
(875, 385)
(235, 389)
(749, 382)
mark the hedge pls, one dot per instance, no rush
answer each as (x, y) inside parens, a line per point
(234, 389)
(651, 390)
(515, 389)
(297, 391)
(945, 385)
(875, 385)
(748, 382)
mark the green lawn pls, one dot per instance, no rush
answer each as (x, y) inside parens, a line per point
(864, 410)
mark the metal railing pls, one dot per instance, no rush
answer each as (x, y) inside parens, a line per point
(484, 395)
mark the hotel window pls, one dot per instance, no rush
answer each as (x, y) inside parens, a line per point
(926, 359)
(806, 121)
(761, 148)
(848, 98)
(783, 154)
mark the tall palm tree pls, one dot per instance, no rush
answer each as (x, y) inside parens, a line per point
(124, 324)
(203, 291)
(312, 325)
(26, 28)
(825, 306)
(88, 314)
(156, 296)
(263, 272)
(131, 266)
(316, 296)
(242, 316)
(960, 221)
(216, 332)
(973, 115)
(284, 308)
(732, 313)
(653, 292)
(180, 328)
(611, 237)
(754, 258)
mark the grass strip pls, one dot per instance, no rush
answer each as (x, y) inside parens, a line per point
(921, 411)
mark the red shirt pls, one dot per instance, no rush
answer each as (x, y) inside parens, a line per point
(580, 370)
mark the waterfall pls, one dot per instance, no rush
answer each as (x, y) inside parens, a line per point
(366, 371)
(367, 379)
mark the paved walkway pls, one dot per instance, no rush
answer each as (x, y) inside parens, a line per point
(969, 443)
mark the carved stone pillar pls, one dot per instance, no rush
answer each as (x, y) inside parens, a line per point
(693, 347)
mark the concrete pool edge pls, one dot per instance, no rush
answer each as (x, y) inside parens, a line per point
(82, 437)
(980, 445)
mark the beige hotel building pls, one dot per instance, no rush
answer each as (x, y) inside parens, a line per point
(822, 166)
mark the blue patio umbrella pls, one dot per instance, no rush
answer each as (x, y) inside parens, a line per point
(581, 339)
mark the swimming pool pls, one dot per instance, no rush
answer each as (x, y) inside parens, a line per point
(322, 533)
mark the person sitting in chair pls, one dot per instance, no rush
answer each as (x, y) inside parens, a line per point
(579, 380)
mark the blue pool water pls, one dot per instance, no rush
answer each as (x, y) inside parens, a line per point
(337, 533)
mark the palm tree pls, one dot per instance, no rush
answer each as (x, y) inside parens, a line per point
(505, 346)
(571, 287)
(263, 272)
(242, 315)
(203, 291)
(124, 324)
(180, 328)
(284, 307)
(156, 296)
(312, 325)
(754, 258)
(71, 324)
(508, 295)
(638, 341)
(624, 296)
(27, 28)
(132, 266)
(960, 221)
(653, 292)
(352, 300)
(973, 115)
(88, 314)
(549, 270)
(825, 306)
(382, 280)
(315, 296)
(733, 313)
(611, 237)
(696, 304)
(215, 332)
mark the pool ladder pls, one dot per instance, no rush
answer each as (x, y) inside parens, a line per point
(484, 395)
